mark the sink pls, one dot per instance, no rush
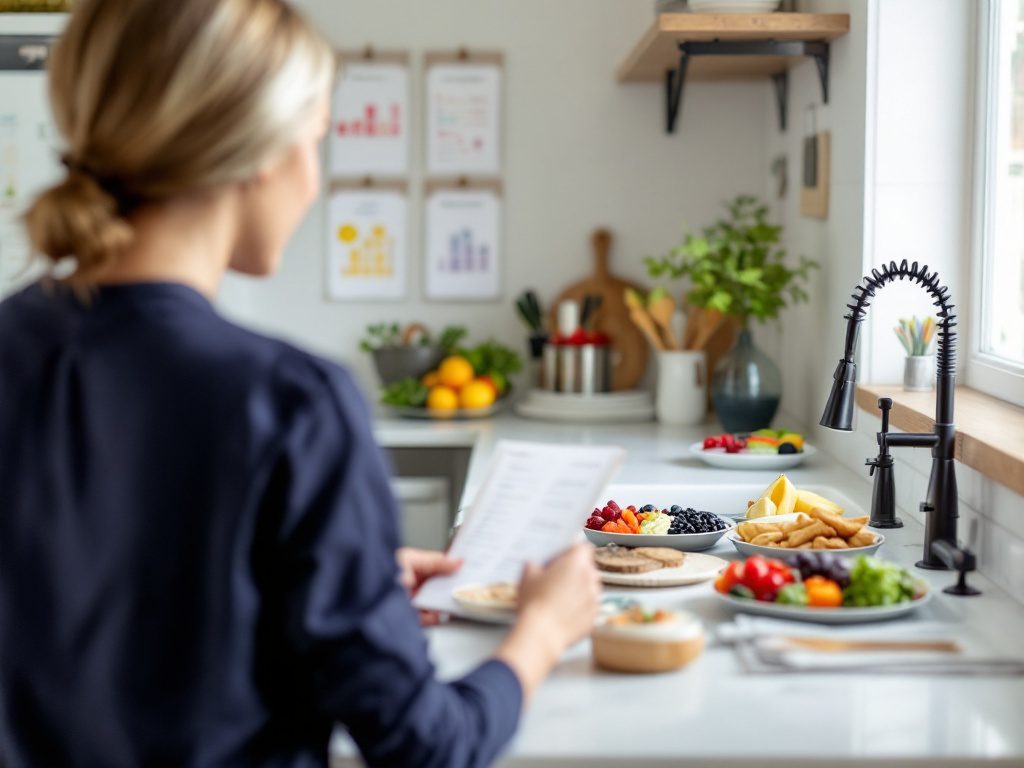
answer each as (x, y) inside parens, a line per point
(727, 500)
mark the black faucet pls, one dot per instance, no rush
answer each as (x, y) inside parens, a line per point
(941, 505)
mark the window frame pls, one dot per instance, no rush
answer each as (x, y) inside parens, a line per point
(988, 373)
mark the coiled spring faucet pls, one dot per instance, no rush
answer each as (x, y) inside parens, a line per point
(941, 505)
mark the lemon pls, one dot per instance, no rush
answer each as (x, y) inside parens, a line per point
(476, 394)
(807, 500)
(442, 399)
(783, 494)
(455, 372)
(763, 507)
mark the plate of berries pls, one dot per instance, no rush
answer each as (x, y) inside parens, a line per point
(685, 529)
(763, 449)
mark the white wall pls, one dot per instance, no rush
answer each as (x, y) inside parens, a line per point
(581, 151)
(901, 122)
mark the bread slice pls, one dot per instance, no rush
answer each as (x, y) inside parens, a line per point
(669, 558)
(622, 560)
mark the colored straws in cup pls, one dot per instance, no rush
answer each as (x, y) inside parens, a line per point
(916, 336)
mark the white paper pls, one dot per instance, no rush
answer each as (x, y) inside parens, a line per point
(464, 119)
(28, 163)
(366, 245)
(370, 121)
(532, 505)
(463, 245)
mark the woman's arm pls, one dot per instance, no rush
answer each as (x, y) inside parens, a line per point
(356, 645)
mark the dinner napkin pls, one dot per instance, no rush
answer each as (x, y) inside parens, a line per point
(761, 646)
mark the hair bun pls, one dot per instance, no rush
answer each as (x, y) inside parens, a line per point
(78, 218)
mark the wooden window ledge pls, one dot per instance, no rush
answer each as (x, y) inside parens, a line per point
(989, 432)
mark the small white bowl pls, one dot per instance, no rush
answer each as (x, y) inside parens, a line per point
(685, 542)
(783, 553)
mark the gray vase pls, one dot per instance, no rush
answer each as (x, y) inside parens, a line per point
(746, 387)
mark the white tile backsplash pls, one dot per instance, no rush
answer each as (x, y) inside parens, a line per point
(997, 510)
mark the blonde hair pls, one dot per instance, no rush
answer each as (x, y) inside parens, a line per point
(156, 99)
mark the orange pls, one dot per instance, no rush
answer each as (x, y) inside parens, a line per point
(442, 399)
(455, 371)
(431, 379)
(476, 395)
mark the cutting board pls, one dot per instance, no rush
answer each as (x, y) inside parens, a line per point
(629, 347)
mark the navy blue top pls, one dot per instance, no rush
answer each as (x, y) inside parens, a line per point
(197, 552)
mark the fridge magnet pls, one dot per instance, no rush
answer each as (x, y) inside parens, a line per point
(463, 103)
(370, 117)
(463, 251)
(366, 244)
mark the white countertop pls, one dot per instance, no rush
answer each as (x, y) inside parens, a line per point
(713, 712)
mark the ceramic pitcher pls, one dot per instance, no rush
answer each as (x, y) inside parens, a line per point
(682, 377)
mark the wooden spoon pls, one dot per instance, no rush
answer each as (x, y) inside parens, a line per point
(662, 309)
(645, 323)
(693, 318)
(711, 321)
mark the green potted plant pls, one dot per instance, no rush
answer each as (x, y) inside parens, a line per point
(737, 267)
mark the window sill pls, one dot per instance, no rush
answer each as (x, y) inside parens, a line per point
(989, 432)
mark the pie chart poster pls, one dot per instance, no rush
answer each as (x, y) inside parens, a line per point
(463, 252)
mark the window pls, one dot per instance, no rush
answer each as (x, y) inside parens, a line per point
(997, 317)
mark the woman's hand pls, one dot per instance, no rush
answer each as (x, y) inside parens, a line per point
(563, 596)
(415, 566)
(558, 604)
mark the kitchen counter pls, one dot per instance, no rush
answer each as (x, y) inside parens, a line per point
(713, 713)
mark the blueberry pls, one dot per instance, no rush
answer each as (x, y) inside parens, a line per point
(647, 508)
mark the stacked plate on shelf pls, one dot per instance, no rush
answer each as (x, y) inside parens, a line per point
(606, 407)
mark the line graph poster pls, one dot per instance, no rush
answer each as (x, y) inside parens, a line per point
(462, 254)
(464, 119)
(370, 121)
(366, 245)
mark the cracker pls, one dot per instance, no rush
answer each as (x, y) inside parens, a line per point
(668, 558)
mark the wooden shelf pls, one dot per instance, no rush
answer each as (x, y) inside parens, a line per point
(658, 51)
(989, 432)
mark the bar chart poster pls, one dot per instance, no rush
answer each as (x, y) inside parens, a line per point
(370, 121)
(366, 245)
(463, 254)
(464, 119)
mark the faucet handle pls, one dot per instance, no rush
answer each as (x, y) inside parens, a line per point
(960, 558)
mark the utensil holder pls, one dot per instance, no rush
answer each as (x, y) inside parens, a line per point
(576, 368)
(919, 373)
(682, 376)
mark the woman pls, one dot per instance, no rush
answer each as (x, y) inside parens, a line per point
(197, 539)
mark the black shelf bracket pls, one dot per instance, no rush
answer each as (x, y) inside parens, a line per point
(675, 78)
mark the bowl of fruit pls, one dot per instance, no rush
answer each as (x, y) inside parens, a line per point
(467, 383)
(685, 529)
(823, 588)
(763, 449)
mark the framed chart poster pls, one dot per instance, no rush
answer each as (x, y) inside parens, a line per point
(464, 115)
(370, 118)
(462, 254)
(367, 247)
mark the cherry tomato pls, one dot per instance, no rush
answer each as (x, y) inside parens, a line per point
(730, 577)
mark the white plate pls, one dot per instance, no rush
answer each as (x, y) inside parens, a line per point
(695, 569)
(782, 553)
(825, 615)
(717, 457)
(629, 399)
(493, 612)
(607, 416)
(685, 542)
(408, 412)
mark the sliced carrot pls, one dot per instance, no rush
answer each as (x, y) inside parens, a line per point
(623, 527)
(630, 519)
